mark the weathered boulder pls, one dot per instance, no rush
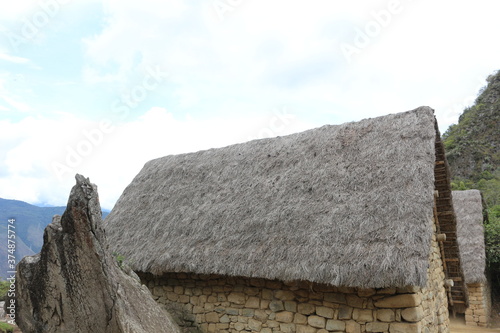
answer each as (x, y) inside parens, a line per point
(75, 285)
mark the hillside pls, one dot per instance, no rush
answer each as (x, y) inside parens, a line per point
(473, 145)
(30, 223)
(30, 220)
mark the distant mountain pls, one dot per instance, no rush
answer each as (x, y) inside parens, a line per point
(30, 222)
(21, 250)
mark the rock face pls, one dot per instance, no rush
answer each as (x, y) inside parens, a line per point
(75, 285)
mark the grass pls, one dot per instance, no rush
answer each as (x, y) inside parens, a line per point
(6, 328)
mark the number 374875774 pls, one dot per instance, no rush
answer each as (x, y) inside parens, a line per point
(11, 245)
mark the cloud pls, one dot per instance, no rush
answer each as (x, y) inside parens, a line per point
(11, 92)
(26, 147)
(17, 105)
(14, 59)
(282, 52)
(18, 8)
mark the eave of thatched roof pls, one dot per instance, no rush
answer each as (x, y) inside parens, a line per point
(470, 234)
(348, 205)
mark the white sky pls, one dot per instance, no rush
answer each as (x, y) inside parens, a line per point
(101, 87)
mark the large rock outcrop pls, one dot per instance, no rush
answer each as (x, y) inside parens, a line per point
(75, 285)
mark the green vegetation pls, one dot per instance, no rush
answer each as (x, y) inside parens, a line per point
(119, 259)
(473, 152)
(473, 145)
(492, 238)
(6, 328)
(4, 288)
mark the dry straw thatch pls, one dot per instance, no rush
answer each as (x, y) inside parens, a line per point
(468, 208)
(348, 205)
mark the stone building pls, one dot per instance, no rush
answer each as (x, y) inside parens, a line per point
(335, 229)
(469, 214)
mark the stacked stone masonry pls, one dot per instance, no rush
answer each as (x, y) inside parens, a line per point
(477, 313)
(214, 303)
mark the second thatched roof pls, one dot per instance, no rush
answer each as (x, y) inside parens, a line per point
(348, 205)
(470, 234)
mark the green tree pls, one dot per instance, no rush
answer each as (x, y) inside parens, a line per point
(492, 237)
(4, 289)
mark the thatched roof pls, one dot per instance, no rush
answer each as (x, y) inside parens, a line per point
(470, 234)
(348, 205)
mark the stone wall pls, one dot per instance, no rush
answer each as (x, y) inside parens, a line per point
(215, 303)
(478, 312)
(434, 295)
